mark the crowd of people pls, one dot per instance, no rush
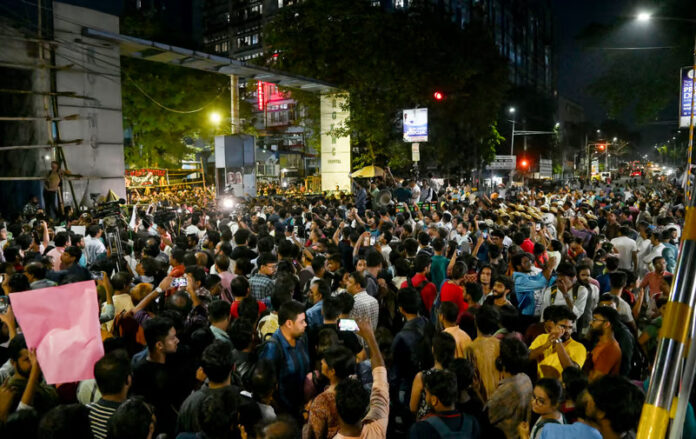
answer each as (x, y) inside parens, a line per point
(180, 196)
(440, 314)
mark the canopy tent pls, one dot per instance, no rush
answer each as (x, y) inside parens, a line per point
(368, 172)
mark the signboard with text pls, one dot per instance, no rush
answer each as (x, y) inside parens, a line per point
(506, 162)
(415, 125)
(545, 168)
(685, 96)
(415, 152)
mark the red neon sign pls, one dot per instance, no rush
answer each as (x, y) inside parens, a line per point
(260, 96)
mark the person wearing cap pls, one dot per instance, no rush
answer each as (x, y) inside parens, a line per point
(73, 270)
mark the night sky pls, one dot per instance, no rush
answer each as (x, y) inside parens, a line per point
(577, 68)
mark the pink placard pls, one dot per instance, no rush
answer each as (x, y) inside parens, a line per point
(62, 323)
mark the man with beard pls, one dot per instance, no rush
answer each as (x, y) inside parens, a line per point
(26, 375)
(603, 414)
(502, 287)
(606, 355)
(556, 350)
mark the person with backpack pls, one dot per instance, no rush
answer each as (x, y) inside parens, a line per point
(411, 352)
(445, 422)
(420, 282)
(566, 291)
(546, 400)
(287, 350)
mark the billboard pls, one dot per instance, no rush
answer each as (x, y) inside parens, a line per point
(685, 96)
(415, 125)
(506, 162)
(545, 168)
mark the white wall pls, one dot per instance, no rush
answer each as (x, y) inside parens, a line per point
(96, 74)
(335, 152)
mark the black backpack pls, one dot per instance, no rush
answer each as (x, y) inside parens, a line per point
(465, 430)
(422, 353)
(421, 309)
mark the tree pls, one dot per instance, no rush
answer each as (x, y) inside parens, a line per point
(392, 60)
(642, 83)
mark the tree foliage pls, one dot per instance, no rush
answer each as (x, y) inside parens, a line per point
(391, 60)
(158, 134)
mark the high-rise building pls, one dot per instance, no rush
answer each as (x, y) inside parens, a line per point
(522, 29)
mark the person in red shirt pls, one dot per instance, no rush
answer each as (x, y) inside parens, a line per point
(239, 287)
(420, 282)
(176, 260)
(453, 291)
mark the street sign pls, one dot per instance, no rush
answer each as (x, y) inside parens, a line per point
(503, 162)
(415, 125)
(415, 152)
(545, 168)
(687, 76)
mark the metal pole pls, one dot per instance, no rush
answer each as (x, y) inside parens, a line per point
(675, 332)
(512, 150)
(688, 377)
(689, 189)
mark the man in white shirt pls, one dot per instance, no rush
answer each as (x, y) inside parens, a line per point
(627, 249)
(94, 247)
(415, 192)
(654, 250)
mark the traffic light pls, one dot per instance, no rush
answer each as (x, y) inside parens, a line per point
(438, 95)
(601, 147)
(524, 163)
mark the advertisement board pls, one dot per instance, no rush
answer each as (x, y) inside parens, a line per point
(686, 95)
(506, 162)
(546, 168)
(415, 125)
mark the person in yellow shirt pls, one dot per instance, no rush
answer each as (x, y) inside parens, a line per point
(556, 350)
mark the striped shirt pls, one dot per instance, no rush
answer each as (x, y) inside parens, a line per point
(99, 414)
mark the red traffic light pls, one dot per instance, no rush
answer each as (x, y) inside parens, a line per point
(601, 147)
(524, 163)
(438, 95)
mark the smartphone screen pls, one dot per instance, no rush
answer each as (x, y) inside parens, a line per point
(296, 229)
(485, 235)
(537, 227)
(5, 302)
(179, 282)
(347, 325)
(372, 240)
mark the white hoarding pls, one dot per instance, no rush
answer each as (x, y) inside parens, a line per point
(415, 125)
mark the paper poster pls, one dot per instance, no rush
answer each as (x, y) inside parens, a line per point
(62, 323)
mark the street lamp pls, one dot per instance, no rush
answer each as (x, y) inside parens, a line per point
(215, 118)
(644, 16)
(512, 110)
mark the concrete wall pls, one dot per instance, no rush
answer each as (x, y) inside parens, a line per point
(96, 74)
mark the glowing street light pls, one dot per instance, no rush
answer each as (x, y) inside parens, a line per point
(644, 16)
(215, 118)
(512, 110)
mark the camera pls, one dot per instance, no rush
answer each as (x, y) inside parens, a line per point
(163, 216)
(109, 208)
